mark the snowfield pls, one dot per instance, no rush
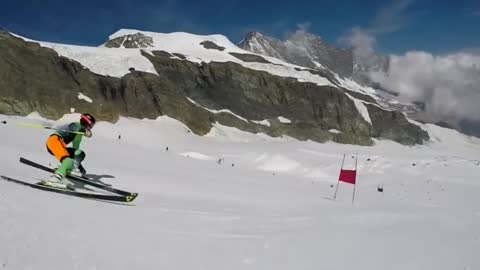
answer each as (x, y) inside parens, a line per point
(267, 205)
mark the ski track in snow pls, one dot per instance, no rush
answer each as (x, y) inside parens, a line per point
(271, 210)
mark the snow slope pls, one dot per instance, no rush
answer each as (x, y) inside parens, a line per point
(266, 206)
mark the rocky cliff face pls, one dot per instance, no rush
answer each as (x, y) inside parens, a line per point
(34, 78)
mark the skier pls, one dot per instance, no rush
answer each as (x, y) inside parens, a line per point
(70, 157)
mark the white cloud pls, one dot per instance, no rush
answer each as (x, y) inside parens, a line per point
(362, 42)
(449, 85)
(388, 19)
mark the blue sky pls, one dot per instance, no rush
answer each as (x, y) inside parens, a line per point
(436, 26)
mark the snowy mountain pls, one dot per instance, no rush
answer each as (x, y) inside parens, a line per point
(305, 49)
(199, 80)
(137, 40)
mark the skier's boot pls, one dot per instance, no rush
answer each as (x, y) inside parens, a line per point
(58, 181)
(78, 169)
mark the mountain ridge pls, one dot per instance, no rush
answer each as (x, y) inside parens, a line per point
(216, 79)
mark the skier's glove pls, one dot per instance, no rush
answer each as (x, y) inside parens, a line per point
(88, 133)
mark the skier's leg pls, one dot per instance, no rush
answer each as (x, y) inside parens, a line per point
(78, 156)
(56, 147)
(65, 167)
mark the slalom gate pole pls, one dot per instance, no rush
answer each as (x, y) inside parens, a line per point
(338, 182)
(355, 185)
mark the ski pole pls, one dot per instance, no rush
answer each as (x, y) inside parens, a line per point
(46, 127)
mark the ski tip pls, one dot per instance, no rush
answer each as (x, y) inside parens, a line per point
(131, 197)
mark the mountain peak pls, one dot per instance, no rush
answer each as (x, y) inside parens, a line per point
(133, 40)
(309, 50)
(301, 48)
(254, 34)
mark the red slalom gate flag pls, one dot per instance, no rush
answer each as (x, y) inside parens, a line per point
(348, 176)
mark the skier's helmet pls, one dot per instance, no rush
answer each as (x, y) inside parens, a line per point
(87, 120)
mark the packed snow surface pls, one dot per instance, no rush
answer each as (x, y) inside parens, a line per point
(267, 205)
